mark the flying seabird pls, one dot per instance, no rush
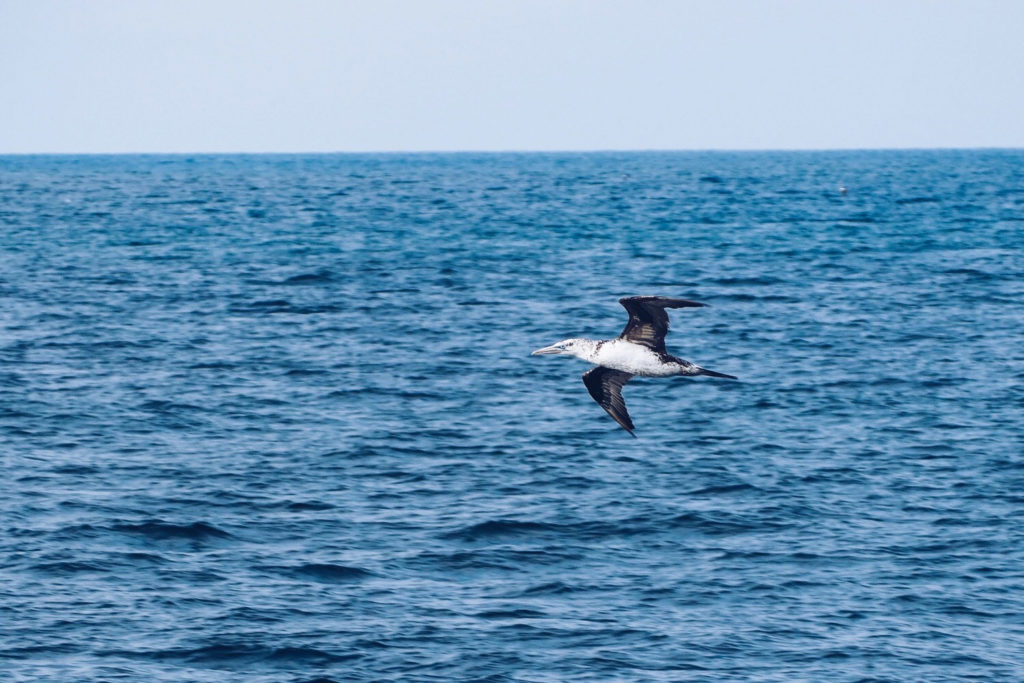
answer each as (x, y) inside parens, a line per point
(638, 351)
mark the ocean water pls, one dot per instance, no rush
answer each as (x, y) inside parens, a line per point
(274, 418)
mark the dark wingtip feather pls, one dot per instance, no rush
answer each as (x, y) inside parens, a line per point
(662, 301)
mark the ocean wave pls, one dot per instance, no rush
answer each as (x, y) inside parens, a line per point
(308, 443)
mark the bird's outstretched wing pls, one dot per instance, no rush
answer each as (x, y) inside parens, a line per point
(648, 321)
(605, 385)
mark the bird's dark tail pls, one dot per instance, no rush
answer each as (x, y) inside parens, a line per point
(712, 373)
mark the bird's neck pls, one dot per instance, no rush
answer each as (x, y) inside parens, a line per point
(586, 349)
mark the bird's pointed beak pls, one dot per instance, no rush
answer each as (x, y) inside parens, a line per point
(546, 350)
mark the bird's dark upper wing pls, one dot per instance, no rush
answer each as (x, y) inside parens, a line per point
(648, 321)
(605, 385)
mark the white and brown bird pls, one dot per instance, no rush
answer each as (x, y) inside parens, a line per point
(638, 351)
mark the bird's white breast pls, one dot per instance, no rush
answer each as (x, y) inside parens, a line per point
(635, 359)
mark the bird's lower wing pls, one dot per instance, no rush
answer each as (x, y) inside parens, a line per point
(605, 385)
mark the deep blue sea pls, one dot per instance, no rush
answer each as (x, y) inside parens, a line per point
(275, 418)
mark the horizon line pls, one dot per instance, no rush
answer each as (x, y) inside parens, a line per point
(610, 150)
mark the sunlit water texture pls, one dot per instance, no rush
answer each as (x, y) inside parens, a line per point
(274, 418)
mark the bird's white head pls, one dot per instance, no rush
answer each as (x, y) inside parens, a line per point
(581, 348)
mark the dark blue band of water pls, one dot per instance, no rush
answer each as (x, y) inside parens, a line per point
(274, 418)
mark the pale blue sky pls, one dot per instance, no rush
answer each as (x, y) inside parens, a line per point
(367, 75)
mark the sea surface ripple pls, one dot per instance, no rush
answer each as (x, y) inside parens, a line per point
(274, 418)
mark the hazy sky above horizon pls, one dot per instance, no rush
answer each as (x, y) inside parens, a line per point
(393, 75)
